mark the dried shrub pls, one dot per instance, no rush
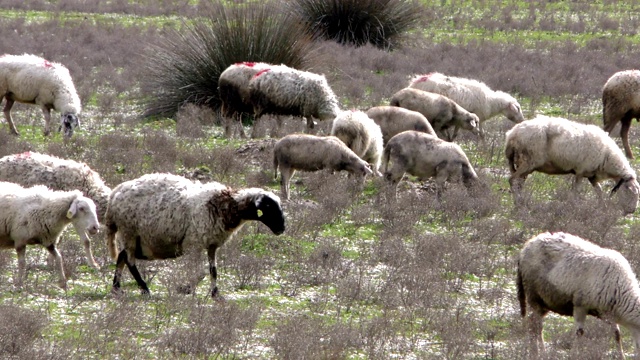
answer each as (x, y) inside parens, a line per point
(20, 328)
(185, 68)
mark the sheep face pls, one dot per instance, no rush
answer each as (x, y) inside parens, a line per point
(68, 122)
(82, 214)
(270, 213)
(628, 195)
(472, 123)
(513, 112)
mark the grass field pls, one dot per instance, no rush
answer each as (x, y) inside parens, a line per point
(355, 276)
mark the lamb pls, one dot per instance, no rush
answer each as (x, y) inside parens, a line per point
(442, 112)
(571, 276)
(162, 216)
(282, 90)
(394, 120)
(426, 156)
(233, 86)
(38, 215)
(31, 79)
(558, 146)
(361, 134)
(621, 104)
(473, 95)
(312, 153)
(31, 168)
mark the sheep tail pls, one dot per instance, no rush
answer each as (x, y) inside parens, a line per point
(275, 167)
(511, 157)
(521, 295)
(111, 240)
(394, 102)
(385, 157)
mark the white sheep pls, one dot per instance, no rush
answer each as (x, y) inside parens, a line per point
(559, 146)
(282, 90)
(361, 134)
(571, 276)
(473, 95)
(31, 79)
(312, 153)
(442, 113)
(163, 216)
(621, 104)
(426, 156)
(38, 215)
(233, 87)
(31, 168)
(394, 120)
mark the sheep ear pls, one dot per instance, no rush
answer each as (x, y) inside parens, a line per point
(514, 107)
(73, 209)
(257, 202)
(615, 188)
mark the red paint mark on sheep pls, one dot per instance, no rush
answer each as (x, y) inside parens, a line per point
(424, 77)
(48, 64)
(247, 63)
(24, 155)
(260, 72)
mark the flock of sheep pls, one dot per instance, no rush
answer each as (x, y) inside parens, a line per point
(161, 216)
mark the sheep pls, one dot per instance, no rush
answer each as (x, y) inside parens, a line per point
(31, 79)
(282, 90)
(394, 120)
(426, 156)
(361, 134)
(621, 103)
(473, 95)
(37, 216)
(163, 216)
(558, 146)
(442, 112)
(233, 87)
(571, 276)
(31, 168)
(312, 153)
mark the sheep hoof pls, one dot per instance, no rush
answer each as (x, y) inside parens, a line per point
(580, 332)
(184, 289)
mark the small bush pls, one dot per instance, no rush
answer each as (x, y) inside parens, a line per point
(186, 67)
(358, 22)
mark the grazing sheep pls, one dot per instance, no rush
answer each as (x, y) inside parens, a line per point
(233, 86)
(31, 79)
(473, 95)
(442, 112)
(570, 276)
(312, 153)
(163, 216)
(361, 134)
(621, 103)
(558, 146)
(426, 156)
(37, 216)
(394, 120)
(282, 90)
(31, 168)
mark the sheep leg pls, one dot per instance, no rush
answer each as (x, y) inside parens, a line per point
(86, 241)
(56, 254)
(625, 125)
(579, 316)
(123, 259)
(441, 177)
(7, 115)
(47, 120)
(617, 337)
(596, 186)
(535, 329)
(22, 265)
(285, 177)
(213, 270)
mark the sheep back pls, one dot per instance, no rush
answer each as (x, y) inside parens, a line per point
(282, 90)
(31, 168)
(361, 134)
(394, 120)
(621, 98)
(473, 95)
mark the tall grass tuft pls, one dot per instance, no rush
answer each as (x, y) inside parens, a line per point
(186, 67)
(358, 22)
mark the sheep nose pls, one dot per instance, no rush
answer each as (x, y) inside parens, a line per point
(93, 230)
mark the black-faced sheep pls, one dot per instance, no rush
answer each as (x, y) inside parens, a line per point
(312, 153)
(163, 216)
(233, 86)
(558, 146)
(442, 112)
(426, 156)
(394, 120)
(473, 95)
(282, 90)
(361, 134)
(621, 104)
(37, 216)
(570, 276)
(31, 79)
(31, 168)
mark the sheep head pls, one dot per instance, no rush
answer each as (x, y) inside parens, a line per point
(68, 122)
(628, 193)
